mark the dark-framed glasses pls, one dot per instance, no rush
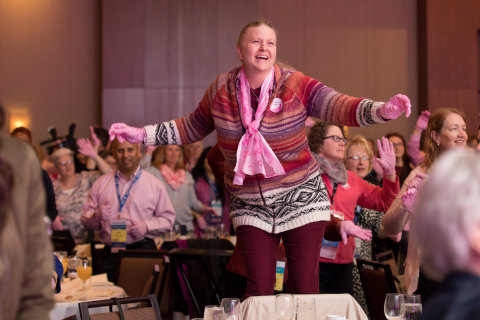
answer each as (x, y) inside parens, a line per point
(337, 139)
(356, 158)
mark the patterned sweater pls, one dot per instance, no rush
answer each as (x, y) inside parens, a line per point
(284, 130)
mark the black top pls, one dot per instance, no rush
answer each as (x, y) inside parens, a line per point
(50, 194)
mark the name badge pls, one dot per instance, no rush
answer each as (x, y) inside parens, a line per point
(329, 249)
(118, 236)
(279, 275)
(276, 105)
(217, 206)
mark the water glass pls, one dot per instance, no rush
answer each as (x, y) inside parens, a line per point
(230, 307)
(413, 307)
(73, 261)
(214, 313)
(306, 309)
(285, 306)
(394, 307)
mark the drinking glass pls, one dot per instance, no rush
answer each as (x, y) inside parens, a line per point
(285, 306)
(230, 307)
(63, 258)
(214, 313)
(84, 272)
(306, 309)
(72, 267)
(394, 307)
(413, 307)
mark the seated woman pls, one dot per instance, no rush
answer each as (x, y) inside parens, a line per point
(167, 165)
(446, 227)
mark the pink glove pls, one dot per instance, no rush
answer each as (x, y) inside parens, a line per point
(202, 224)
(395, 237)
(126, 133)
(422, 120)
(387, 156)
(348, 228)
(57, 224)
(410, 195)
(377, 168)
(95, 141)
(138, 230)
(394, 107)
(86, 148)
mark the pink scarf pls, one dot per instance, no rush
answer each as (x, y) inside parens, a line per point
(254, 155)
(173, 179)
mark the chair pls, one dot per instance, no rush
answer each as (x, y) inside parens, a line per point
(194, 258)
(377, 281)
(139, 263)
(387, 257)
(147, 313)
(62, 240)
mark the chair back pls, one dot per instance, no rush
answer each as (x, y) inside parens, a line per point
(377, 281)
(152, 312)
(135, 270)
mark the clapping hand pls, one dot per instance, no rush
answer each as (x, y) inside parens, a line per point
(138, 230)
(394, 107)
(348, 228)
(126, 133)
(387, 157)
(410, 195)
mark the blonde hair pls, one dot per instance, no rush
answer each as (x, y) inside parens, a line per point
(158, 157)
(435, 123)
(361, 141)
(256, 23)
(60, 153)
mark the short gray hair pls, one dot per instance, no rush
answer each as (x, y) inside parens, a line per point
(59, 153)
(446, 213)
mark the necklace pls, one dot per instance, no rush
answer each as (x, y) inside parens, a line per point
(252, 91)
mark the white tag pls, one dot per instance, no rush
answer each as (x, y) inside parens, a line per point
(329, 249)
(276, 105)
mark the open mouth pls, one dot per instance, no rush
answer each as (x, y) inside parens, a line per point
(262, 57)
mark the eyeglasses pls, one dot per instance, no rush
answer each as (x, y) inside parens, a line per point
(356, 158)
(337, 139)
(399, 144)
(64, 163)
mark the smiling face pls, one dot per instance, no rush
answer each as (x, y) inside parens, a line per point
(172, 155)
(331, 150)
(65, 166)
(453, 133)
(257, 49)
(358, 160)
(127, 156)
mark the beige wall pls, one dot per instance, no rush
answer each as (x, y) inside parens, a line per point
(159, 56)
(49, 63)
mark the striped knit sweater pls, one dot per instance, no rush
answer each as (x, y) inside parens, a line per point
(284, 131)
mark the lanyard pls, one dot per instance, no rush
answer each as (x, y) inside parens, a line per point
(334, 188)
(123, 200)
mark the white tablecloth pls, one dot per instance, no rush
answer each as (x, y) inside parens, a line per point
(65, 309)
(263, 307)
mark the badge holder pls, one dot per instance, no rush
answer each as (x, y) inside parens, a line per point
(119, 235)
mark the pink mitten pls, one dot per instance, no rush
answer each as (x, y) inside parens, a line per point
(126, 133)
(394, 107)
(348, 228)
(86, 148)
(408, 198)
(95, 141)
(422, 120)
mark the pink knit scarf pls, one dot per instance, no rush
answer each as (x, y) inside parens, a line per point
(254, 155)
(173, 179)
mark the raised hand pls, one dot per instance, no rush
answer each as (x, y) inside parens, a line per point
(126, 133)
(95, 141)
(348, 228)
(422, 121)
(85, 147)
(387, 157)
(410, 195)
(394, 107)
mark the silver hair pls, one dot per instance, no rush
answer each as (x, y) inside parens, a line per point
(61, 152)
(446, 213)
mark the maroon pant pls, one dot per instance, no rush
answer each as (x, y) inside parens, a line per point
(302, 249)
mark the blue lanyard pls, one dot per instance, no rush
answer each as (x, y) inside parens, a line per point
(125, 196)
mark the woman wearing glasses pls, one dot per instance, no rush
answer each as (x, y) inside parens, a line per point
(346, 190)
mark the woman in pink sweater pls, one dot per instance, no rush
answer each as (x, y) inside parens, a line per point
(258, 111)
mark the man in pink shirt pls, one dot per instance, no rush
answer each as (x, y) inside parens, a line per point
(130, 201)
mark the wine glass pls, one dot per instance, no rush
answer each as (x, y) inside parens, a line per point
(413, 307)
(285, 306)
(63, 258)
(230, 307)
(306, 309)
(394, 307)
(214, 313)
(84, 272)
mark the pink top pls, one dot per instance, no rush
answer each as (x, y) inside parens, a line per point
(147, 201)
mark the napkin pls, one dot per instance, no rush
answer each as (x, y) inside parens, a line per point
(98, 292)
(99, 280)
